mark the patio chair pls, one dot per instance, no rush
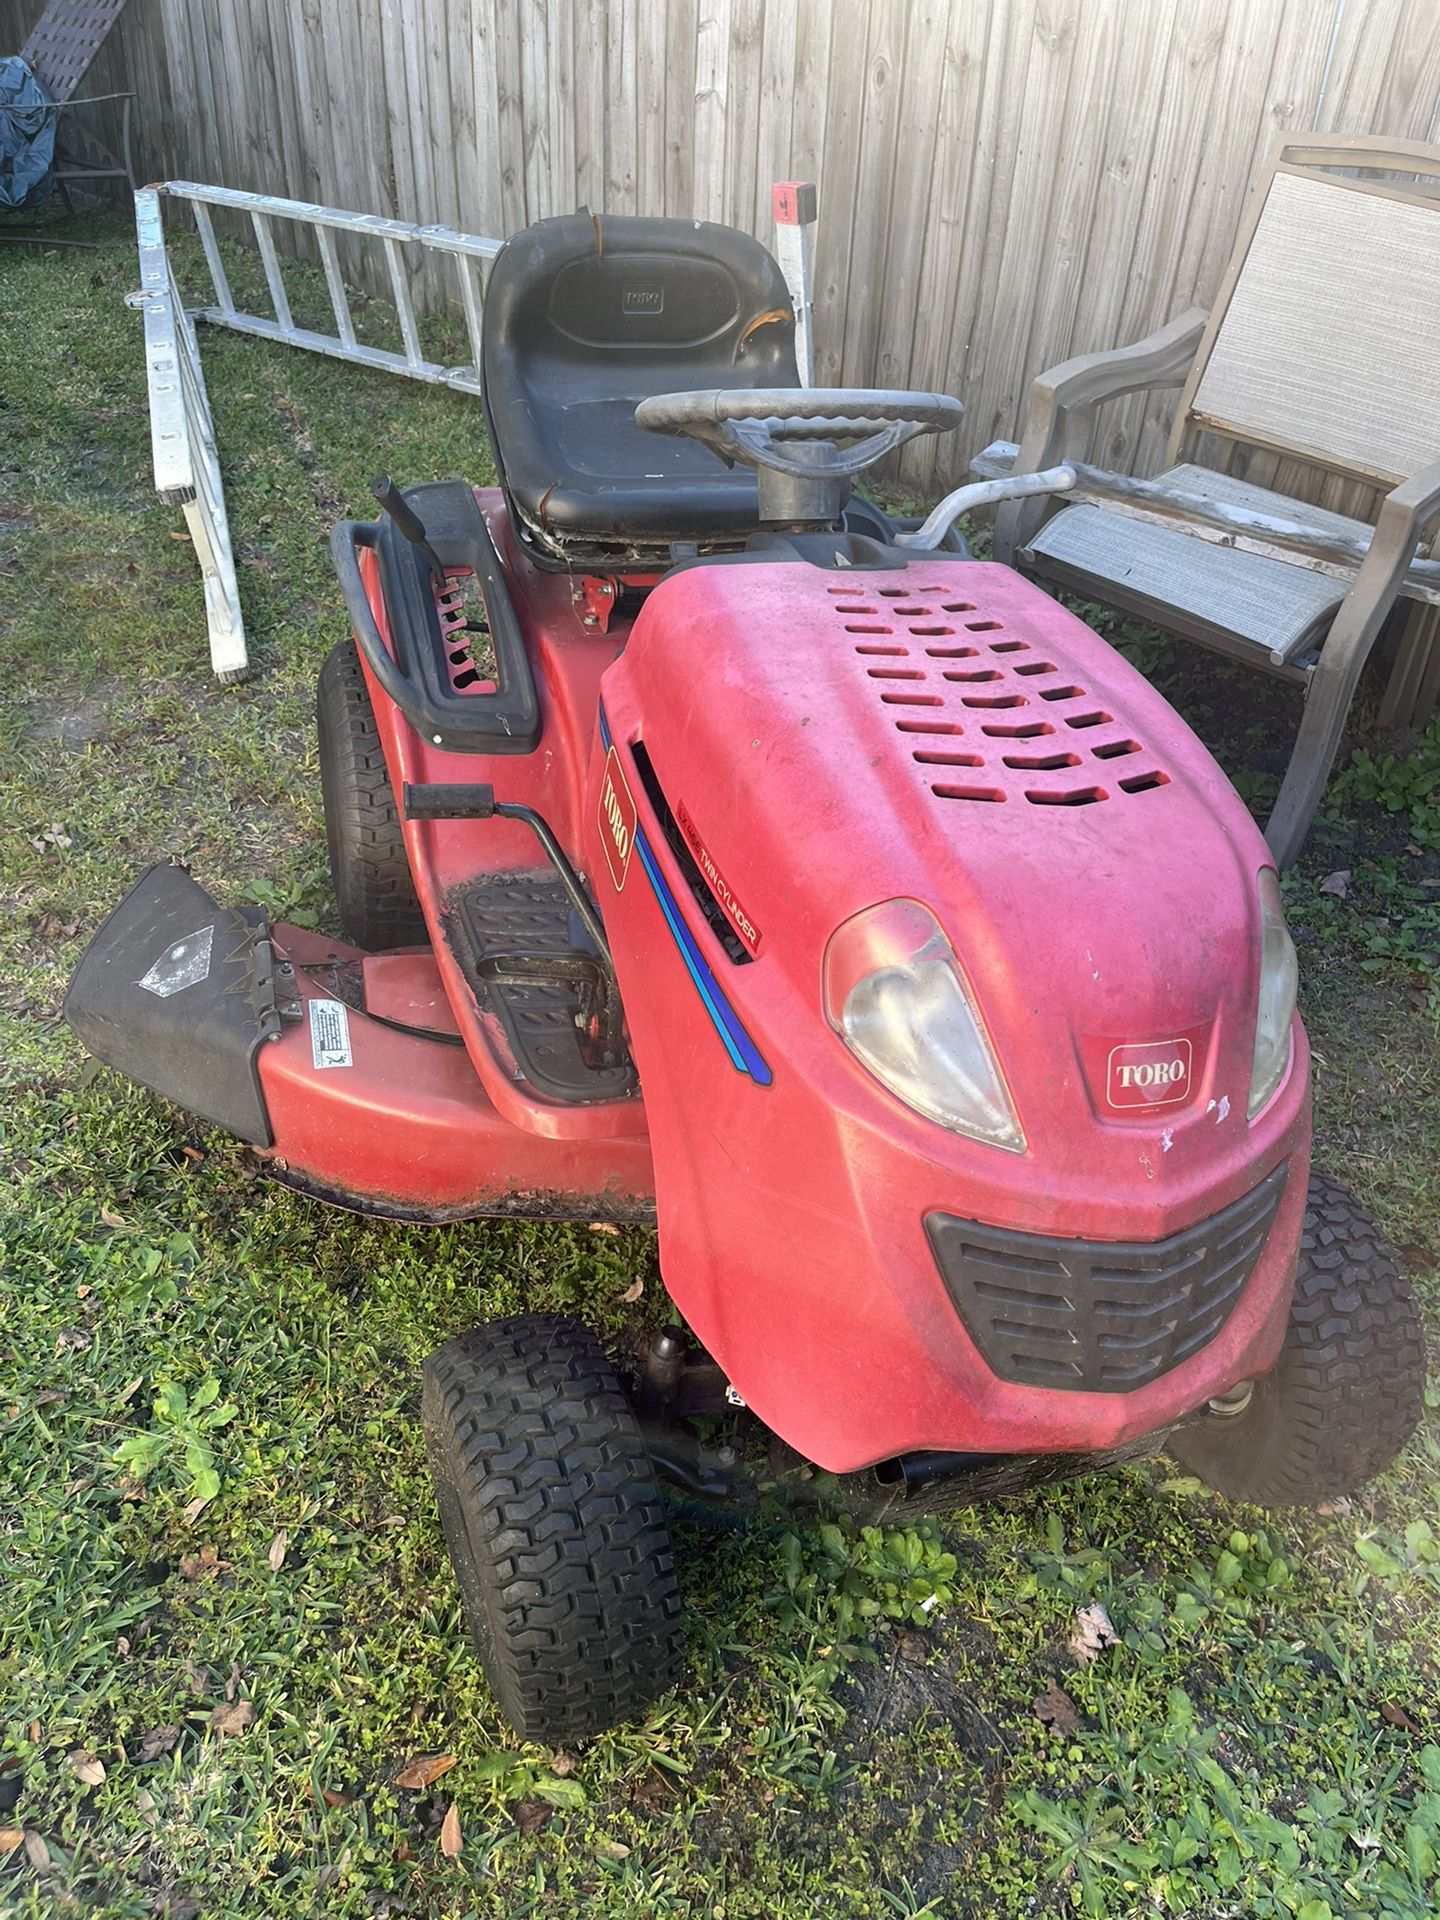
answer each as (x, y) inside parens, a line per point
(60, 51)
(1320, 347)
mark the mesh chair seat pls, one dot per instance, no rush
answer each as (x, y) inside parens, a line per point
(1245, 599)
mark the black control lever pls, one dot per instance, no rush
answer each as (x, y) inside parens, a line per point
(476, 801)
(408, 523)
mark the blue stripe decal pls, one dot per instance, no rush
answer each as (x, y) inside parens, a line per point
(745, 1056)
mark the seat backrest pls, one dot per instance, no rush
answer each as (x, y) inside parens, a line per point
(64, 41)
(585, 316)
(1321, 343)
(646, 303)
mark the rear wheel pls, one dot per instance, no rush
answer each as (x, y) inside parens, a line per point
(1347, 1390)
(371, 875)
(554, 1524)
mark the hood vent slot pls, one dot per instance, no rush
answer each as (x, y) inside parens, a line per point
(716, 917)
(996, 698)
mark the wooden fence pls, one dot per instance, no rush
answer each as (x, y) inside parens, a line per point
(1002, 182)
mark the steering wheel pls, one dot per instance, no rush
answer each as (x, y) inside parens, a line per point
(795, 430)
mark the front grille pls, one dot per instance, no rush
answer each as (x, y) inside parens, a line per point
(1100, 1316)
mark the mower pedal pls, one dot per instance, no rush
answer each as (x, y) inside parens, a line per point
(178, 992)
(528, 958)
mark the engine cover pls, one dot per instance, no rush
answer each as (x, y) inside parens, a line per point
(788, 746)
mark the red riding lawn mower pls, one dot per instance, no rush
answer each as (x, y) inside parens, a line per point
(719, 851)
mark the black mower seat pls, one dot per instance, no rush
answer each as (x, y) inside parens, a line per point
(585, 317)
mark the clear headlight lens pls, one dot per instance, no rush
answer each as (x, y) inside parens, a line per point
(1279, 983)
(895, 994)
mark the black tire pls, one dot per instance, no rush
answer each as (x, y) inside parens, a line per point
(371, 875)
(554, 1524)
(1347, 1391)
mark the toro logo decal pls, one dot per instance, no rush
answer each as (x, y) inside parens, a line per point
(618, 819)
(1150, 1073)
(715, 880)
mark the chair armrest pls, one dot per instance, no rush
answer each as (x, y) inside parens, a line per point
(1057, 424)
(1160, 360)
(1408, 508)
(1404, 513)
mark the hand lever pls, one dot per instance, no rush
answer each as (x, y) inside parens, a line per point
(408, 523)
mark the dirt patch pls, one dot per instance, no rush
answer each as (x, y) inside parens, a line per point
(74, 723)
(907, 1686)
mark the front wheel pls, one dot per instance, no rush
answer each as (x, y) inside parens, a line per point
(1346, 1392)
(554, 1524)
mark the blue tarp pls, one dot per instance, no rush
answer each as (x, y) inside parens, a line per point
(27, 135)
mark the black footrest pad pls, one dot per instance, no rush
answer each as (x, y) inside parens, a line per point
(176, 992)
(505, 918)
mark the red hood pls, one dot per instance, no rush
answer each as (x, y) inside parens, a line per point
(951, 734)
(769, 718)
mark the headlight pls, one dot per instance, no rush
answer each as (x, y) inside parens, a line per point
(895, 994)
(1279, 981)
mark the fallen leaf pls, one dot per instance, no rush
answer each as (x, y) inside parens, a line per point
(276, 1555)
(425, 1771)
(1337, 883)
(111, 1218)
(145, 1802)
(37, 1853)
(450, 1840)
(203, 1565)
(49, 1398)
(612, 1850)
(76, 1337)
(34, 1733)
(603, 1226)
(193, 1153)
(87, 1769)
(10, 1838)
(334, 1799)
(402, 1850)
(633, 1292)
(653, 1792)
(562, 1763)
(196, 1507)
(1055, 1709)
(531, 1816)
(1396, 1716)
(233, 1717)
(159, 1740)
(1094, 1632)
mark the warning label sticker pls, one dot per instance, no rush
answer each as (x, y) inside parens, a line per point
(330, 1033)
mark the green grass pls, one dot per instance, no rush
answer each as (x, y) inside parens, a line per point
(858, 1735)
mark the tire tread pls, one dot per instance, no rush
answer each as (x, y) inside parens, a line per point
(368, 863)
(563, 1551)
